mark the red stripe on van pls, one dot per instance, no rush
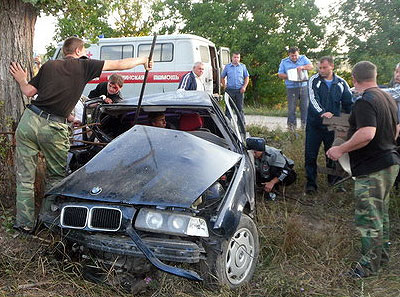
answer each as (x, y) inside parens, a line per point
(137, 77)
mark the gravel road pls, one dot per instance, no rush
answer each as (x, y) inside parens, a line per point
(272, 123)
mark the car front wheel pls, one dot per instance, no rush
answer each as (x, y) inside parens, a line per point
(234, 264)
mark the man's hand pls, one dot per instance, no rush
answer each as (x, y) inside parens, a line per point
(148, 65)
(334, 153)
(327, 115)
(300, 68)
(242, 90)
(108, 101)
(19, 73)
(268, 186)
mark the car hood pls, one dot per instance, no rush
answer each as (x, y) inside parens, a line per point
(150, 166)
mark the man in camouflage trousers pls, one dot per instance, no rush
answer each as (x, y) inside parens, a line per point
(43, 126)
(375, 163)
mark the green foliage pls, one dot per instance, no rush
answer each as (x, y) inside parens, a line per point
(372, 29)
(261, 30)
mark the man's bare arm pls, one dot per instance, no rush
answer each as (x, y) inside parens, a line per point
(127, 63)
(282, 75)
(20, 76)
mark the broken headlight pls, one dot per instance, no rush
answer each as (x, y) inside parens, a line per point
(170, 223)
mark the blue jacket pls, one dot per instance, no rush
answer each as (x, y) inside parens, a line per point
(188, 82)
(335, 99)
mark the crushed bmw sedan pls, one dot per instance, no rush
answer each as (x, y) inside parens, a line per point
(141, 196)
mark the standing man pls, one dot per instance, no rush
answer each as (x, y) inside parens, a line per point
(394, 90)
(43, 126)
(329, 94)
(111, 89)
(237, 80)
(295, 89)
(192, 81)
(374, 162)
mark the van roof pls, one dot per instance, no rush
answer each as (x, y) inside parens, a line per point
(150, 38)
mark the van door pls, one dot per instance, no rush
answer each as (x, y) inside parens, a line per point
(205, 57)
(216, 74)
(224, 57)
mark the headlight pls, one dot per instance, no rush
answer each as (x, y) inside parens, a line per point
(170, 223)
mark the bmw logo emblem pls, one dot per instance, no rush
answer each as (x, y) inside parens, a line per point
(96, 191)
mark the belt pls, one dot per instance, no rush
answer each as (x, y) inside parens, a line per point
(46, 115)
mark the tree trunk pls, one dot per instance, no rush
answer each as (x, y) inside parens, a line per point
(17, 23)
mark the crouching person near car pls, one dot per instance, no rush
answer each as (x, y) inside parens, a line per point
(273, 168)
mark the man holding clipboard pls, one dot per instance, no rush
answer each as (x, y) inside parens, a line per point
(293, 69)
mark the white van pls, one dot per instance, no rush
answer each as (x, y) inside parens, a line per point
(174, 56)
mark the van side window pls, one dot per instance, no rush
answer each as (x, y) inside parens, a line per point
(225, 57)
(116, 52)
(163, 52)
(204, 54)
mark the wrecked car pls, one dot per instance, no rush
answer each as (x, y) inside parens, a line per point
(140, 194)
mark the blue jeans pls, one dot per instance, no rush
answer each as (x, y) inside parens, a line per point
(292, 95)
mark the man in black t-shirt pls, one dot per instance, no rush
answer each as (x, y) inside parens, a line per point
(43, 126)
(374, 162)
(111, 89)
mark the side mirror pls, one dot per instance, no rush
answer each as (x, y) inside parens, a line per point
(255, 144)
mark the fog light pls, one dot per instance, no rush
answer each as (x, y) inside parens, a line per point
(53, 207)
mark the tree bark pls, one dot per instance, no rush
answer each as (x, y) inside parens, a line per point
(17, 23)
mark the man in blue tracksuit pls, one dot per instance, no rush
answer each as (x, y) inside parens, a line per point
(329, 94)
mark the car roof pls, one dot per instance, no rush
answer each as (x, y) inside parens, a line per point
(175, 98)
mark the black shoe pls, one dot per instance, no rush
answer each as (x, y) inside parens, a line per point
(310, 190)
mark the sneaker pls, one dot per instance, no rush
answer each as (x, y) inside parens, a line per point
(310, 190)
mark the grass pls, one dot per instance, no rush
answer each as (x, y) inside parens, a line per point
(277, 111)
(305, 245)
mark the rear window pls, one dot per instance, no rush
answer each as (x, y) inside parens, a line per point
(204, 54)
(116, 52)
(163, 52)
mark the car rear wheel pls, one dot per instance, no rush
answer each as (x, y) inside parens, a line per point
(234, 264)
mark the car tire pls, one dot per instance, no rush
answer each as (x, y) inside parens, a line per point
(234, 263)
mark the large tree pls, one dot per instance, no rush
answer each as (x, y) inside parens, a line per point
(372, 31)
(261, 30)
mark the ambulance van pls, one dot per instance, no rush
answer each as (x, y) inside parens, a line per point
(174, 56)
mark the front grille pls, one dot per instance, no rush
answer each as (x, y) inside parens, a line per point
(105, 218)
(74, 217)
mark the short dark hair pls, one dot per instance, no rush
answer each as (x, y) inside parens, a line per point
(364, 71)
(154, 116)
(235, 53)
(116, 79)
(71, 44)
(329, 59)
(293, 50)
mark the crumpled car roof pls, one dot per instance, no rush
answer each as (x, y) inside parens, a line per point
(150, 166)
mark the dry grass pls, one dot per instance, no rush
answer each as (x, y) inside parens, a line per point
(306, 244)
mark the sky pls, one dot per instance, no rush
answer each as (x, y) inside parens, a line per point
(45, 26)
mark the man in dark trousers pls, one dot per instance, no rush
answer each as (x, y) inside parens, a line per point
(43, 126)
(111, 89)
(273, 168)
(329, 95)
(374, 164)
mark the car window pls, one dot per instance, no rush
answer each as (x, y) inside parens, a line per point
(204, 54)
(163, 52)
(116, 52)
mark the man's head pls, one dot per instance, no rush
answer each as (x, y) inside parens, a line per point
(115, 83)
(257, 154)
(397, 74)
(198, 68)
(364, 72)
(157, 119)
(294, 53)
(235, 58)
(74, 46)
(326, 67)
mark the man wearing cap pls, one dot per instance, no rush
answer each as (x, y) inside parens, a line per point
(43, 126)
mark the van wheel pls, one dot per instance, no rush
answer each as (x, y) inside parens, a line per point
(234, 264)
